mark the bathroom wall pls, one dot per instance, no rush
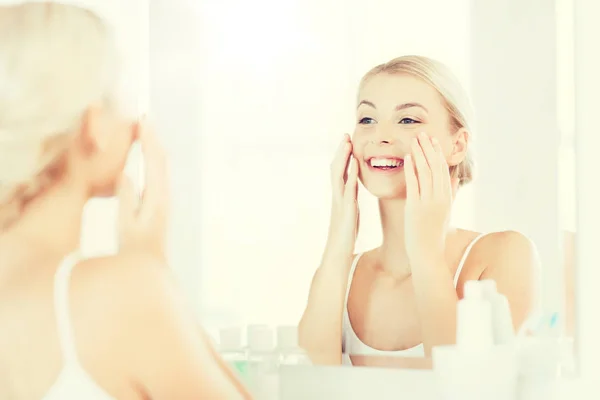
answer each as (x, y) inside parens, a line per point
(523, 91)
(175, 63)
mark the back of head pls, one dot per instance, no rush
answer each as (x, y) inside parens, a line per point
(55, 61)
(456, 100)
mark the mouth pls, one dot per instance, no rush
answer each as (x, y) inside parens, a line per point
(385, 164)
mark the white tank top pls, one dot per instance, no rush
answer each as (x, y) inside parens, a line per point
(351, 344)
(73, 382)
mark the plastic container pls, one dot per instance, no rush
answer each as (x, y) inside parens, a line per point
(263, 363)
(502, 324)
(474, 329)
(289, 351)
(232, 351)
(476, 368)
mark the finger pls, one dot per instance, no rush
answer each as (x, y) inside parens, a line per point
(441, 171)
(155, 194)
(128, 201)
(136, 129)
(351, 189)
(423, 171)
(428, 150)
(339, 166)
(455, 185)
(357, 220)
(412, 183)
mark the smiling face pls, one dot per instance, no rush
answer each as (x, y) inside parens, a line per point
(392, 110)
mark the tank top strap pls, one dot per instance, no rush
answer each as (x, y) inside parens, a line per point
(464, 257)
(61, 307)
(350, 277)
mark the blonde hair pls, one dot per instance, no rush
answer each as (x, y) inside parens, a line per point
(448, 86)
(56, 60)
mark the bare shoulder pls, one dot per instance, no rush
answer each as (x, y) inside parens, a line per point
(511, 260)
(505, 244)
(120, 278)
(140, 327)
(107, 293)
(499, 253)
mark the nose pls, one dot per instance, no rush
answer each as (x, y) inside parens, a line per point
(383, 136)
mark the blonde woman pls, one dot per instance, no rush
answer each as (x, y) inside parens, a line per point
(410, 148)
(96, 329)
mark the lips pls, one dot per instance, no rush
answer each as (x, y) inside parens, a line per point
(385, 163)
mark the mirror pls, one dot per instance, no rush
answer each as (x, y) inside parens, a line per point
(267, 112)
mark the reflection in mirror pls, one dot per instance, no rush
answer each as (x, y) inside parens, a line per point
(274, 161)
(411, 150)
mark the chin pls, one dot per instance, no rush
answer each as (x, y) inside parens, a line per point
(387, 192)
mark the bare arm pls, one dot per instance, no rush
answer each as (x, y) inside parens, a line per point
(436, 301)
(171, 360)
(320, 329)
(510, 258)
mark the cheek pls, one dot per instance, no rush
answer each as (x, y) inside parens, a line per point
(359, 140)
(358, 148)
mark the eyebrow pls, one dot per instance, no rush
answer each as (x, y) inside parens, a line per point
(397, 108)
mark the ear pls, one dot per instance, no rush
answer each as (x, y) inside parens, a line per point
(93, 133)
(460, 144)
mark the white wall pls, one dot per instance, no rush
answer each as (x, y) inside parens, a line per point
(523, 91)
(587, 81)
(175, 59)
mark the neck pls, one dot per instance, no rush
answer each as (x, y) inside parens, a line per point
(52, 222)
(393, 257)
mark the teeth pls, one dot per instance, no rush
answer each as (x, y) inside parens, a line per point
(385, 162)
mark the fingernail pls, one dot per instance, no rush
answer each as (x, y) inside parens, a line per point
(434, 140)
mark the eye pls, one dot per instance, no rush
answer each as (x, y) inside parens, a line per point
(366, 121)
(405, 121)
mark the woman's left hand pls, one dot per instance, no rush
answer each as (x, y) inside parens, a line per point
(430, 192)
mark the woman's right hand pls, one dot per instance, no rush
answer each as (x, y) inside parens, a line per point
(343, 226)
(143, 220)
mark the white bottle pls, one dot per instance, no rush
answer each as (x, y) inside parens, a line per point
(231, 349)
(263, 363)
(474, 319)
(475, 368)
(289, 351)
(249, 332)
(503, 328)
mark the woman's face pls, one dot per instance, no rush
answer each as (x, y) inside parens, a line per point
(392, 110)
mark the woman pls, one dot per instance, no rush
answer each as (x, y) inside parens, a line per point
(104, 328)
(410, 149)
